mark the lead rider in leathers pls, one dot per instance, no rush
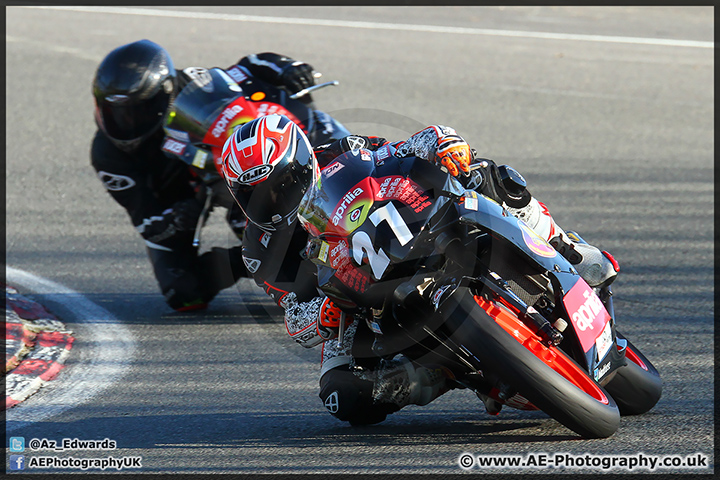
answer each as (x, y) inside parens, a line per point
(274, 242)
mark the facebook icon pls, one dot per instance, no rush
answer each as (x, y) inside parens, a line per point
(17, 462)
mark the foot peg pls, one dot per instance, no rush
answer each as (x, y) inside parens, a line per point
(492, 407)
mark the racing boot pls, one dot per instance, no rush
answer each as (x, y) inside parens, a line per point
(401, 382)
(597, 268)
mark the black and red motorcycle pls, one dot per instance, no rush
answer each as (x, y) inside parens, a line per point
(209, 108)
(448, 277)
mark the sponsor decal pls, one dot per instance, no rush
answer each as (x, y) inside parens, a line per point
(252, 264)
(199, 159)
(352, 277)
(173, 146)
(600, 372)
(404, 190)
(365, 155)
(351, 212)
(344, 203)
(471, 201)
(269, 109)
(323, 255)
(355, 214)
(383, 153)
(604, 341)
(223, 121)
(345, 271)
(237, 74)
(254, 175)
(535, 242)
(374, 326)
(587, 314)
(114, 182)
(273, 108)
(305, 335)
(177, 135)
(339, 254)
(332, 169)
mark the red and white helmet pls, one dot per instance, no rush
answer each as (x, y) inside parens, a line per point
(268, 164)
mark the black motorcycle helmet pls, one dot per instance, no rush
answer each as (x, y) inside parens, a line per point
(133, 88)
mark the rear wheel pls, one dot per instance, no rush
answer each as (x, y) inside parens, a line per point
(544, 375)
(636, 387)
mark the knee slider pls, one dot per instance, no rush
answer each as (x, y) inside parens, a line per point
(349, 398)
(343, 393)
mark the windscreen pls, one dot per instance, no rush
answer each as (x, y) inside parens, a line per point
(201, 102)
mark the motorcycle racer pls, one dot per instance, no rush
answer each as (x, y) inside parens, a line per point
(268, 165)
(133, 89)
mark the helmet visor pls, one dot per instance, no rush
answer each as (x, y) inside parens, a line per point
(272, 204)
(123, 121)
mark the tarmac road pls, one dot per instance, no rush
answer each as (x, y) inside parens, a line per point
(614, 133)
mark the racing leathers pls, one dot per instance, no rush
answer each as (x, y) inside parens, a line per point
(359, 394)
(164, 198)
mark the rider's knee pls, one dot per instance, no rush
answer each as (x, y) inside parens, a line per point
(349, 398)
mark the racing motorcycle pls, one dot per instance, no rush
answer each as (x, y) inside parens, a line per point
(209, 108)
(447, 277)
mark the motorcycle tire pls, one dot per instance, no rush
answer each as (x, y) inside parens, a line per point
(637, 386)
(545, 376)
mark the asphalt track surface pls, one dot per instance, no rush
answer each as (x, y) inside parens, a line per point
(613, 132)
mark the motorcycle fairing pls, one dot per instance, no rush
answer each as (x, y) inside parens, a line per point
(208, 112)
(366, 221)
(577, 301)
(588, 316)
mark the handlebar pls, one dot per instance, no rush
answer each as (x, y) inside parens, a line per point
(305, 91)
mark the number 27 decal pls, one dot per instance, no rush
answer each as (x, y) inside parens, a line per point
(361, 241)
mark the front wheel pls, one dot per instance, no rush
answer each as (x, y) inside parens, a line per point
(636, 387)
(544, 375)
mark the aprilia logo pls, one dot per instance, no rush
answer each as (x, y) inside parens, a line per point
(347, 199)
(587, 312)
(355, 215)
(225, 118)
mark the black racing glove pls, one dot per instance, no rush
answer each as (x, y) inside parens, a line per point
(185, 214)
(297, 76)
